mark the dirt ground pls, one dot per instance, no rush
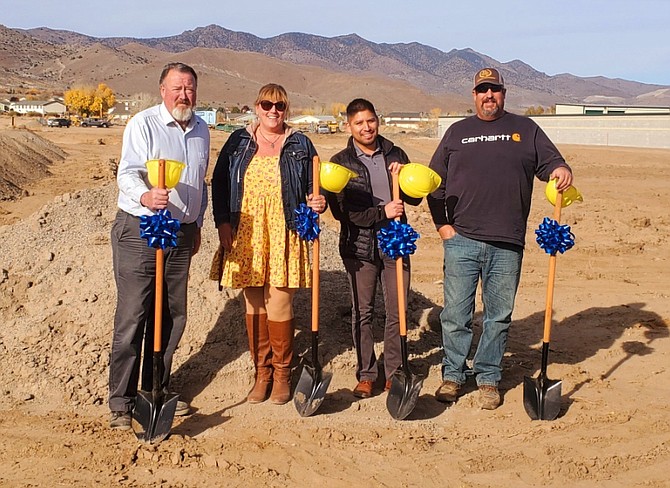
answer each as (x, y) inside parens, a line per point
(609, 347)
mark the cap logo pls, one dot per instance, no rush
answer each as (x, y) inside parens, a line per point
(485, 73)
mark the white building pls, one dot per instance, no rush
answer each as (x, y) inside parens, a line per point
(51, 107)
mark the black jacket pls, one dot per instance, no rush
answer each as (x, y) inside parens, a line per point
(359, 218)
(295, 166)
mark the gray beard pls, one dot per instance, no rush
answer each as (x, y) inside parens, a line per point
(491, 112)
(182, 114)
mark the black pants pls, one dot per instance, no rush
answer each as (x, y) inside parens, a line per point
(363, 278)
(134, 272)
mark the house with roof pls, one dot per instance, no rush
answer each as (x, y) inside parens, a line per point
(406, 120)
(50, 107)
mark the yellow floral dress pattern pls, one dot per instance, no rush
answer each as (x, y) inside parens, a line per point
(264, 251)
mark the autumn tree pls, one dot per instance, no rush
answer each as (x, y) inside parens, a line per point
(337, 108)
(435, 112)
(103, 99)
(539, 110)
(87, 100)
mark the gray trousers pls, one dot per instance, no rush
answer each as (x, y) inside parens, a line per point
(363, 277)
(134, 273)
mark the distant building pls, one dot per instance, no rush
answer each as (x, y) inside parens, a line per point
(123, 110)
(208, 115)
(406, 120)
(597, 109)
(50, 107)
(599, 125)
(312, 120)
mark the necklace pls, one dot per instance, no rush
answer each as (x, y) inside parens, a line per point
(272, 143)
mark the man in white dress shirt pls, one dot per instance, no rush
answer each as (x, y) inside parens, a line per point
(170, 130)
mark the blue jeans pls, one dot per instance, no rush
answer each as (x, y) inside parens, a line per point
(499, 267)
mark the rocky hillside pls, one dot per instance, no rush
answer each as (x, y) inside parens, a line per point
(434, 75)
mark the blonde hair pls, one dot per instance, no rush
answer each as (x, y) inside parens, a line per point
(273, 92)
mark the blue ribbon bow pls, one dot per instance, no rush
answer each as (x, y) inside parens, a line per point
(553, 237)
(397, 239)
(307, 223)
(160, 229)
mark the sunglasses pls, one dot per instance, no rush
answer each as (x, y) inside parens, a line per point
(267, 105)
(486, 87)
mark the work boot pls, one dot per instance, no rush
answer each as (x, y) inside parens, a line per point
(261, 355)
(489, 397)
(449, 391)
(119, 420)
(281, 342)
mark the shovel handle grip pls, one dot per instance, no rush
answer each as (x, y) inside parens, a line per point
(552, 276)
(160, 264)
(315, 250)
(400, 283)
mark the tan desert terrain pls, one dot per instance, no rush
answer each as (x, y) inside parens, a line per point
(610, 346)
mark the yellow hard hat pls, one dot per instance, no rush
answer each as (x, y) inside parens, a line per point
(570, 195)
(172, 172)
(334, 177)
(418, 180)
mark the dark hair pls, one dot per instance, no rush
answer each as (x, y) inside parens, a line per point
(181, 67)
(359, 105)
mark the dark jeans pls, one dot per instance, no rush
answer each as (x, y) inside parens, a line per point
(134, 271)
(363, 278)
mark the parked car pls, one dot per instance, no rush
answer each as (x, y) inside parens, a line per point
(323, 129)
(95, 122)
(59, 123)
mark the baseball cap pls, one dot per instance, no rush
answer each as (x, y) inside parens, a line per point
(488, 75)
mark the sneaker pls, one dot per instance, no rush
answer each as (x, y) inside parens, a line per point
(489, 397)
(363, 389)
(183, 408)
(119, 420)
(449, 391)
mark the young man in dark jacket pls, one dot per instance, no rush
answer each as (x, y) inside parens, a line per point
(363, 208)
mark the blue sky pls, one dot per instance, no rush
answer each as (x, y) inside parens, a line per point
(615, 38)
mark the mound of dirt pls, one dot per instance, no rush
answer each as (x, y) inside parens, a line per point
(57, 300)
(24, 158)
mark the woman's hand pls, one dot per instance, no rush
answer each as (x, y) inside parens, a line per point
(226, 236)
(316, 203)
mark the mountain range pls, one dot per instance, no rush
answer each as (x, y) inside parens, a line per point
(317, 71)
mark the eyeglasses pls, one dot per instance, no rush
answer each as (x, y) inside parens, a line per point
(483, 88)
(267, 105)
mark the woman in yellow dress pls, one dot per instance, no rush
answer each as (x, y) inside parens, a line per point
(262, 175)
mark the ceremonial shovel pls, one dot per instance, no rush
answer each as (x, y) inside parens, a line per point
(313, 382)
(542, 396)
(154, 411)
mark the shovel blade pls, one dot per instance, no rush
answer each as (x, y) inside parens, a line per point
(403, 394)
(542, 398)
(153, 415)
(310, 390)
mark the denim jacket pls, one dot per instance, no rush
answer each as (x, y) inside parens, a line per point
(295, 166)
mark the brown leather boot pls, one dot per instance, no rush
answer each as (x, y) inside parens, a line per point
(261, 354)
(281, 341)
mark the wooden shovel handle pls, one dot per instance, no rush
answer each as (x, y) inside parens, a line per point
(160, 263)
(315, 251)
(552, 275)
(400, 284)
